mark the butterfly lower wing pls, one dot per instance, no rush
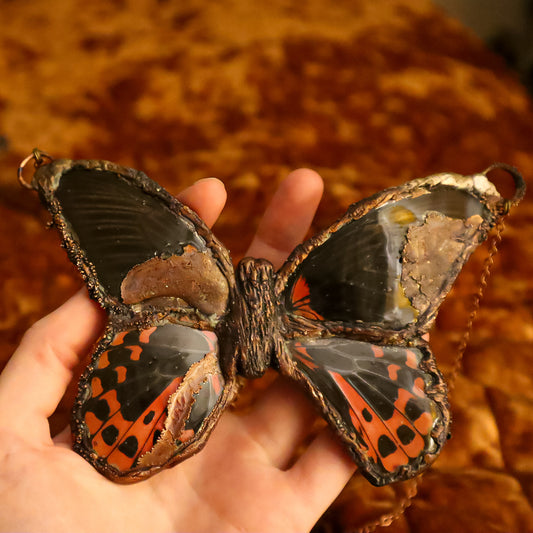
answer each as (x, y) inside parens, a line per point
(391, 260)
(387, 403)
(149, 399)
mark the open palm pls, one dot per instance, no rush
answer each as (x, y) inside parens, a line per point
(245, 479)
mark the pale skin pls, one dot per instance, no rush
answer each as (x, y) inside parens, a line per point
(244, 479)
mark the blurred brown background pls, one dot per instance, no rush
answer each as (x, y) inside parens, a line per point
(368, 92)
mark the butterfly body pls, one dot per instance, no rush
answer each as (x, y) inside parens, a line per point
(256, 319)
(345, 316)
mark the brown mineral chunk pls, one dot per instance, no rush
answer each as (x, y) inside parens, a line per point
(193, 277)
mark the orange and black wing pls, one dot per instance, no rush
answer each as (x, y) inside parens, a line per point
(149, 399)
(388, 402)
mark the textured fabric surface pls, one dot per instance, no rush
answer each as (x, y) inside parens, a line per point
(370, 94)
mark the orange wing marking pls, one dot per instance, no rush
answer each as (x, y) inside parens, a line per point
(376, 429)
(393, 371)
(104, 360)
(377, 350)
(121, 373)
(96, 387)
(301, 300)
(92, 422)
(411, 359)
(419, 387)
(142, 431)
(303, 356)
(119, 338)
(135, 352)
(145, 334)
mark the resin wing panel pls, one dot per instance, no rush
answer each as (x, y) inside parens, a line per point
(131, 240)
(390, 261)
(148, 399)
(386, 402)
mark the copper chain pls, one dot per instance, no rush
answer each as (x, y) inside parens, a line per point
(494, 243)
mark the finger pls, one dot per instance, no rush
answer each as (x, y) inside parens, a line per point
(64, 438)
(38, 373)
(280, 420)
(207, 197)
(322, 471)
(288, 217)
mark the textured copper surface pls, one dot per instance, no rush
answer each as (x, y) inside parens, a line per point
(369, 93)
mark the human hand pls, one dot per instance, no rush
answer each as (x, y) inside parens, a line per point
(244, 479)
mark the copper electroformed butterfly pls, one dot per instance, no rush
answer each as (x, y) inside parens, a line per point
(344, 316)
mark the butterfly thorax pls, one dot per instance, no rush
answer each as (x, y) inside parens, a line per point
(254, 318)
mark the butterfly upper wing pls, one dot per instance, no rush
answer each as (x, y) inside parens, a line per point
(154, 388)
(129, 237)
(359, 297)
(392, 258)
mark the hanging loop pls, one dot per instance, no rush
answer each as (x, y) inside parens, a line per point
(39, 158)
(520, 184)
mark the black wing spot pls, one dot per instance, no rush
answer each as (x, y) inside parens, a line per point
(367, 415)
(110, 434)
(405, 434)
(386, 446)
(101, 409)
(129, 447)
(149, 417)
(157, 434)
(413, 410)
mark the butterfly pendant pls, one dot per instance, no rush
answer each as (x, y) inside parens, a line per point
(344, 317)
